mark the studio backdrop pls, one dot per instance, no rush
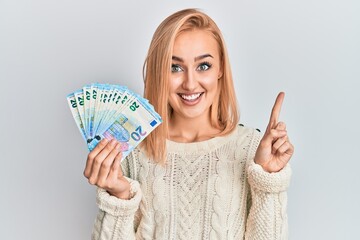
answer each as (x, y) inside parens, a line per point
(309, 49)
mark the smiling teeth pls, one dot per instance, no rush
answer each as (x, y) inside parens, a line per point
(190, 97)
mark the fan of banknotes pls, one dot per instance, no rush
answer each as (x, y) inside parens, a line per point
(112, 111)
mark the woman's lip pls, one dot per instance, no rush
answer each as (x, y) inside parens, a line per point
(190, 101)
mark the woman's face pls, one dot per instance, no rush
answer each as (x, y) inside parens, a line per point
(194, 77)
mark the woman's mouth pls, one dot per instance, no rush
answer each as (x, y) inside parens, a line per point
(190, 98)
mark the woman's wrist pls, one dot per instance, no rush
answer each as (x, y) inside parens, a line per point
(124, 195)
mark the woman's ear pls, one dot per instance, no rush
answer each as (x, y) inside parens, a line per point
(220, 74)
(221, 71)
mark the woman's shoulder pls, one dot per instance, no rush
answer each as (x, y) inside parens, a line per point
(246, 131)
(247, 137)
(247, 128)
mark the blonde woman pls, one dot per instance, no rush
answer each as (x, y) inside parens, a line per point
(199, 175)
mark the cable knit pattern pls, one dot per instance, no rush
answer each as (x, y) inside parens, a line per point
(207, 190)
(118, 213)
(268, 182)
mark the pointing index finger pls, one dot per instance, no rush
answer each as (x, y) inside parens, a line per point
(275, 112)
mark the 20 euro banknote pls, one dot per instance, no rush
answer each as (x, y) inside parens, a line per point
(112, 111)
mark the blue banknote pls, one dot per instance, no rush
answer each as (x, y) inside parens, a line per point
(112, 111)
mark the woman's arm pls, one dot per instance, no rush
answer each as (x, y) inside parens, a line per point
(267, 218)
(118, 195)
(115, 219)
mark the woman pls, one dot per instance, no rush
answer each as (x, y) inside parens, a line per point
(199, 175)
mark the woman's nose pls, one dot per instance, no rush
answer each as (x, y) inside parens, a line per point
(189, 82)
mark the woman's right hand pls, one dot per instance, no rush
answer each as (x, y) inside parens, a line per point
(103, 169)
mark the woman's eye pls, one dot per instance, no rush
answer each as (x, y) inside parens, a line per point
(203, 66)
(175, 68)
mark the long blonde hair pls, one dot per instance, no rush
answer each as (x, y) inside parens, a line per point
(157, 70)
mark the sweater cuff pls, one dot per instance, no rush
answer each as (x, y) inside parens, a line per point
(119, 207)
(268, 182)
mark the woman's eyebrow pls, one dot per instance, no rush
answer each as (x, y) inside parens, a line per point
(203, 56)
(179, 59)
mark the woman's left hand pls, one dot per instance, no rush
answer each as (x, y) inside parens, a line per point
(275, 149)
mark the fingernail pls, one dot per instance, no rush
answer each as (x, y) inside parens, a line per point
(113, 142)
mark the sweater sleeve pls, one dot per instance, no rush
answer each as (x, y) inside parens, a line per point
(115, 219)
(267, 218)
(118, 218)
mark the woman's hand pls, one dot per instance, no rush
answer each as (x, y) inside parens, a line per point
(103, 169)
(275, 149)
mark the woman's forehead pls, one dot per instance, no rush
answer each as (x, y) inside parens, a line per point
(195, 43)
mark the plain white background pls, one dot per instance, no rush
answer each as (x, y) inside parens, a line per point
(309, 49)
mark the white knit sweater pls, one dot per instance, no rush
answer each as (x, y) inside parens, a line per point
(207, 190)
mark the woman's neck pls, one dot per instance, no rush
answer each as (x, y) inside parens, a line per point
(191, 130)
